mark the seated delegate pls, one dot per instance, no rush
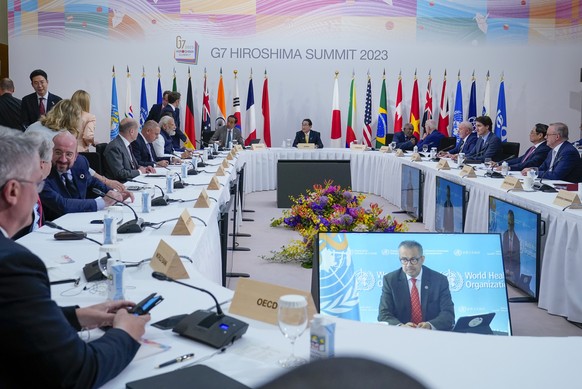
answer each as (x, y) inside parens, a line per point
(307, 135)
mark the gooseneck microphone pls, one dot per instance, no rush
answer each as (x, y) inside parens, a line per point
(74, 235)
(193, 171)
(214, 329)
(156, 201)
(179, 184)
(131, 226)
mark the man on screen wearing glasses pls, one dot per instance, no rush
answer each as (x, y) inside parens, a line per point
(414, 295)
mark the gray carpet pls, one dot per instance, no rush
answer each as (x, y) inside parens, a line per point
(526, 318)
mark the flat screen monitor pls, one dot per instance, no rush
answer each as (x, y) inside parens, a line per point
(450, 206)
(520, 231)
(349, 271)
(411, 191)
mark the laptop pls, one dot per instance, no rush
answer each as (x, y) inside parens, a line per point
(476, 324)
(255, 141)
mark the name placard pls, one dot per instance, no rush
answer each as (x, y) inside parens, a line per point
(258, 146)
(566, 198)
(203, 201)
(511, 182)
(184, 225)
(385, 149)
(166, 260)
(443, 165)
(305, 145)
(357, 147)
(258, 300)
(220, 171)
(468, 171)
(229, 156)
(399, 153)
(238, 148)
(225, 163)
(416, 157)
(214, 184)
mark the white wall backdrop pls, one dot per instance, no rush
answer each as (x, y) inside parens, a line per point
(536, 49)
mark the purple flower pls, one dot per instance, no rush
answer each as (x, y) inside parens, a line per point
(347, 195)
(353, 212)
(323, 200)
(347, 219)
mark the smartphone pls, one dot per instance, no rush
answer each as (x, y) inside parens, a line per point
(72, 235)
(97, 221)
(145, 305)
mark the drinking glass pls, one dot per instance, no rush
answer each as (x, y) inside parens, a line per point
(533, 173)
(487, 163)
(460, 159)
(424, 148)
(393, 145)
(292, 319)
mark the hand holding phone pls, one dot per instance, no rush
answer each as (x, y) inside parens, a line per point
(145, 305)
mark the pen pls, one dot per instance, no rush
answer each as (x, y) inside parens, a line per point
(67, 281)
(181, 358)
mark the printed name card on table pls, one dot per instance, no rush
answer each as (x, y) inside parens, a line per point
(357, 147)
(305, 145)
(214, 184)
(258, 146)
(399, 153)
(443, 165)
(566, 198)
(468, 171)
(230, 156)
(510, 183)
(203, 201)
(238, 148)
(416, 157)
(220, 171)
(166, 260)
(225, 163)
(184, 225)
(385, 149)
(258, 300)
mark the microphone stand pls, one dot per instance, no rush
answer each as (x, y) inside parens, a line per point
(157, 201)
(131, 226)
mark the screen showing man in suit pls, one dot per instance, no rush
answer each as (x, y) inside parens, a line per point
(416, 296)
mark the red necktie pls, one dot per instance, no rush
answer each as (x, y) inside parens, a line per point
(416, 316)
(41, 109)
(529, 153)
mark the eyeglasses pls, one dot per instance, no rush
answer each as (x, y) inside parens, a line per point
(551, 134)
(39, 184)
(68, 154)
(412, 261)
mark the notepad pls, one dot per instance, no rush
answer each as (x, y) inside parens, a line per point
(197, 376)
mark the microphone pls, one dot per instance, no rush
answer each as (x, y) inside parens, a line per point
(214, 329)
(156, 201)
(193, 171)
(179, 184)
(132, 226)
(545, 187)
(448, 148)
(71, 235)
(201, 162)
(493, 174)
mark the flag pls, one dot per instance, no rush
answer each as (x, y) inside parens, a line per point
(189, 127)
(338, 278)
(444, 109)
(415, 109)
(427, 115)
(250, 129)
(266, 112)
(398, 111)
(143, 102)
(220, 99)
(382, 128)
(114, 123)
(174, 86)
(486, 111)
(501, 116)
(458, 113)
(367, 129)
(351, 125)
(205, 126)
(472, 114)
(128, 105)
(236, 101)
(336, 117)
(160, 93)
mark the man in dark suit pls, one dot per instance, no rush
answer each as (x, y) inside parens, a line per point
(121, 164)
(67, 187)
(9, 106)
(536, 154)
(488, 145)
(307, 135)
(156, 109)
(222, 134)
(416, 285)
(467, 143)
(143, 149)
(38, 103)
(36, 331)
(432, 135)
(405, 140)
(563, 162)
(173, 109)
(511, 251)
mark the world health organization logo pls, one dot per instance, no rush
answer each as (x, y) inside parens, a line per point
(365, 280)
(455, 280)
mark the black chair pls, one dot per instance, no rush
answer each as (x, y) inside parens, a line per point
(100, 149)
(94, 159)
(206, 135)
(448, 141)
(509, 150)
(389, 138)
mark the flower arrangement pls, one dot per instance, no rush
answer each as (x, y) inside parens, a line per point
(328, 208)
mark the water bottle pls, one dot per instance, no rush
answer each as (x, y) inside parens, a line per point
(433, 152)
(146, 201)
(169, 183)
(504, 168)
(415, 149)
(185, 169)
(115, 281)
(109, 231)
(321, 337)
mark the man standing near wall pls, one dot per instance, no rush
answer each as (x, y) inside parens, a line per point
(9, 105)
(40, 102)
